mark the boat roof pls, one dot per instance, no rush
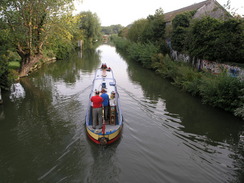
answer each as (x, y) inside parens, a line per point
(104, 78)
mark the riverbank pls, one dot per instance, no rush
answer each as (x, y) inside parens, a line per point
(220, 91)
(15, 65)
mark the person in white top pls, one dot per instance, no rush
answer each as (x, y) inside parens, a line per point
(112, 101)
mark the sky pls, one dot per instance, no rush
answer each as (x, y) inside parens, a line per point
(125, 12)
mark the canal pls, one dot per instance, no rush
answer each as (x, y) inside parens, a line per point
(168, 135)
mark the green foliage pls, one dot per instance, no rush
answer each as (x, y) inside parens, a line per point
(158, 26)
(112, 29)
(14, 65)
(150, 30)
(181, 74)
(182, 20)
(240, 110)
(139, 52)
(188, 78)
(136, 30)
(30, 22)
(180, 26)
(210, 39)
(230, 41)
(155, 30)
(165, 66)
(91, 27)
(120, 43)
(64, 39)
(178, 39)
(204, 33)
(206, 38)
(222, 91)
(31, 26)
(142, 53)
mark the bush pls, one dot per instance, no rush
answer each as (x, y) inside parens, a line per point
(222, 91)
(120, 43)
(240, 111)
(188, 79)
(139, 52)
(166, 67)
(181, 74)
(142, 53)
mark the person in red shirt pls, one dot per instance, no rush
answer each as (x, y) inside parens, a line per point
(96, 110)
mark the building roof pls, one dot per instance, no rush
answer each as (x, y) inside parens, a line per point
(168, 17)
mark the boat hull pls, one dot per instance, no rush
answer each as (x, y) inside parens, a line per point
(98, 138)
(111, 130)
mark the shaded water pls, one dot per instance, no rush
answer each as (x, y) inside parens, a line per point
(168, 135)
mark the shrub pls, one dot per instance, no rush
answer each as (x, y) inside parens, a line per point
(142, 53)
(188, 78)
(120, 43)
(165, 67)
(222, 91)
(240, 110)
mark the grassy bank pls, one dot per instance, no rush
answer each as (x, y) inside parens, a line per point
(14, 65)
(220, 91)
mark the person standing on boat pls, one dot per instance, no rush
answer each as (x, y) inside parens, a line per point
(105, 104)
(112, 101)
(97, 110)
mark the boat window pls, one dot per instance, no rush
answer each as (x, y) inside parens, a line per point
(112, 83)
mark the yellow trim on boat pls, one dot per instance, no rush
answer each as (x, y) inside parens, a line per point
(98, 136)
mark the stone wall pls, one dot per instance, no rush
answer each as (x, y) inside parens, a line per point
(209, 66)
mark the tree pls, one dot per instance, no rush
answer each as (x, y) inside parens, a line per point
(203, 35)
(180, 26)
(230, 41)
(30, 25)
(5, 39)
(149, 30)
(217, 40)
(155, 30)
(91, 27)
(178, 38)
(112, 29)
(65, 33)
(136, 30)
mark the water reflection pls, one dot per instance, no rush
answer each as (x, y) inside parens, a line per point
(17, 91)
(105, 166)
(70, 70)
(37, 130)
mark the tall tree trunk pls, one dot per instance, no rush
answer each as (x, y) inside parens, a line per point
(27, 63)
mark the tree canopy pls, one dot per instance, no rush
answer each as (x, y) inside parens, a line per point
(217, 40)
(91, 27)
(112, 29)
(209, 38)
(151, 29)
(30, 25)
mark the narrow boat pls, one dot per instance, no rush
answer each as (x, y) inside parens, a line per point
(111, 129)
